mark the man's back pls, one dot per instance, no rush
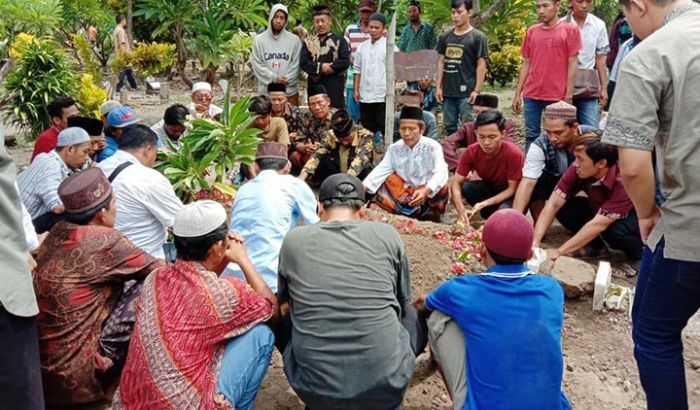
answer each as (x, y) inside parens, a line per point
(347, 282)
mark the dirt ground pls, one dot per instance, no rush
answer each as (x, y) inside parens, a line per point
(600, 371)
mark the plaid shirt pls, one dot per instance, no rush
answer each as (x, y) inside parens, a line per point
(423, 39)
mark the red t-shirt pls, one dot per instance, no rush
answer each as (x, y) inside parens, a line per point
(549, 49)
(46, 142)
(497, 170)
(606, 196)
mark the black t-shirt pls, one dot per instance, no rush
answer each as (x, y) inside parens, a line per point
(461, 54)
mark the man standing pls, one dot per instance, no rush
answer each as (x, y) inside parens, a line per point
(605, 211)
(266, 208)
(38, 184)
(656, 102)
(356, 34)
(276, 55)
(411, 180)
(354, 334)
(59, 111)
(314, 125)
(550, 56)
(146, 202)
(418, 34)
(122, 44)
(370, 76)
(326, 57)
(548, 157)
(591, 61)
(462, 54)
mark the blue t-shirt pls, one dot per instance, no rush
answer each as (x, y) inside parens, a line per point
(511, 319)
(109, 150)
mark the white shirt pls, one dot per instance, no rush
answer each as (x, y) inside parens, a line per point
(594, 38)
(38, 184)
(214, 110)
(422, 164)
(146, 203)
(534, 162)
(29, 232)
(370, 63)
(159, 129)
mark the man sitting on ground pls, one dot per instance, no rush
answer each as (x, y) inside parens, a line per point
(354, 333)
(201, 105)
(267, 207)
(347, 148)
(94, 129)
(548, 157)
(86, 308)
(172, 127)
(38, 184)
(197, 342)
(313, 127)
(413, 98)
(454, 145)
(497, 335)
(411, 180)
(282, 108)
(146, 202)
(112, 144)
(489, 171)
(606, 210)
(118, 120)
(274, 129)
(59, 111)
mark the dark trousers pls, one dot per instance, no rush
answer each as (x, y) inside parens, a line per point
(477, 191)
(44, 223)
(327, 167)
(622, 234)
(372, 116)
(667, 295)
(20, 368)
(127, 74)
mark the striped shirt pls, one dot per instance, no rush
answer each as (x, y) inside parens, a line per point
(354, 36)
(38, 184)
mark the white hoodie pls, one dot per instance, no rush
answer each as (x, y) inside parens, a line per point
(276, 55)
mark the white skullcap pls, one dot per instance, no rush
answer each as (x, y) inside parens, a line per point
(72, 136)
(198, 219)
(202, 85)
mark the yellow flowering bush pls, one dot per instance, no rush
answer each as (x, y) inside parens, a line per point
(20, 44)
(146, 59)
(90, 96)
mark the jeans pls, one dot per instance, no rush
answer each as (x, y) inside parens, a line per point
(456, 110)
(244, 365)
(127, 74)
(667, 295)
(477, 191)
(588, 111)
(353, 106)
(532, 111)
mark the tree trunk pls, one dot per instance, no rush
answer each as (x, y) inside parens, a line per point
(390, 86)
(210, 74)
(482, 16)
(130, 20)
(181, 55)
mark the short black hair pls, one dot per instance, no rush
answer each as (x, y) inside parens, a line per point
(274, 164)
(84, 218)
(119, 18)
(137, 136)
(414, 3)
(298, 22)
(491, 117)
(175, 114)
(197, 248)
(502, 260)
(468, 4)
(55, 107)
(321, 10)
(341, 190)
(260, 105)
(596, 149)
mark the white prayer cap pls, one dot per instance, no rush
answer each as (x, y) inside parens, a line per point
(72, 136)
(202, 85)
(198, 219)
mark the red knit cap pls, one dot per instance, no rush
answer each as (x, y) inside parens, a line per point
(509, 234)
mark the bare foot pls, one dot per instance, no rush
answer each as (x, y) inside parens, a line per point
(441, 403)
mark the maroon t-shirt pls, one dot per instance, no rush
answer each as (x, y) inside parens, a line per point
(497, 170)
(606, 196)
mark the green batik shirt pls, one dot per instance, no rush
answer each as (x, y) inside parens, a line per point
(423, 39)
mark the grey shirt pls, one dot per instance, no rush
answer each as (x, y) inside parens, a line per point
(657, 101)
(348, 284)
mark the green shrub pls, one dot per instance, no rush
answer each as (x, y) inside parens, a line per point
(40, 75)
(84, 49)
(504, 65)
(146, 59)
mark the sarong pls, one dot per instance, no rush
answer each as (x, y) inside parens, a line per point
(393, 196)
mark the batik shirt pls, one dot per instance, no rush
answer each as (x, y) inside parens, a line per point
(292, 116)
(354, 161)
(313, 128)
(184, 317)
(80, 275)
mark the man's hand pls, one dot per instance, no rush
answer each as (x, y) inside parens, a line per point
(303, 175)
(235, 251)
(646, 225)
(419, 196)
(472, 97)
(419, 303)
(293, 136)
(517, 104)
(311, 147)
(282, 80)
(284, 309)
(476, 208)
(569, 99)
(356, 95)
(553, 254)
(202, 110)
(438, 94)
(603, 100)
(473, 176)
(464, 217)
(326, 68)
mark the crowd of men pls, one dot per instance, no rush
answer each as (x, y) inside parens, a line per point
(93, 308)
